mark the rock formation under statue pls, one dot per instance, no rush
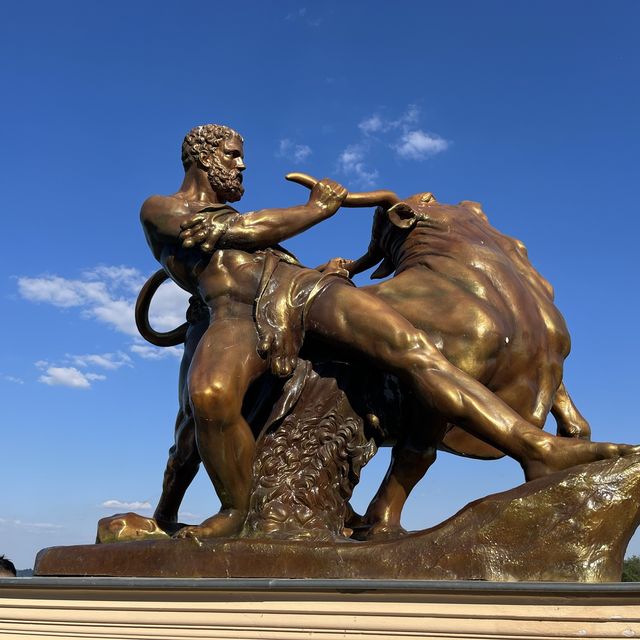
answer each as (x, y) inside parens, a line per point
(571, 526)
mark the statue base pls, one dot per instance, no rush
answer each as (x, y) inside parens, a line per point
(117, 608)
(571, 526)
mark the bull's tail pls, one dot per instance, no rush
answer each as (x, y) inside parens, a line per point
(168, 339)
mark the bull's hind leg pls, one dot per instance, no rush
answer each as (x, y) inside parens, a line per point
(410, 460)
(570, 422)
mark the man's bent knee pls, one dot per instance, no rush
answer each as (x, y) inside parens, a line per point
(215, 401)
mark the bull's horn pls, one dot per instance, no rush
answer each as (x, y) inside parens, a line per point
(380, 198)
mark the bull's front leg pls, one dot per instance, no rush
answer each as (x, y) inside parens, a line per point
(410, 460)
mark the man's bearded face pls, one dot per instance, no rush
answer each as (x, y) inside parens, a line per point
(225, 173)
(227, 183)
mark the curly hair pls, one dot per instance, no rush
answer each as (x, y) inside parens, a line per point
(204, 137)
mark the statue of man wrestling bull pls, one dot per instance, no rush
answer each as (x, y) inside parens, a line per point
(262, 303)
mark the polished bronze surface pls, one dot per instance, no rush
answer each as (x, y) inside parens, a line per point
(573, 525)
(293, 377)
(445, 324)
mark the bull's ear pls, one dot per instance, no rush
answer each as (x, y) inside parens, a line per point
(402, 215)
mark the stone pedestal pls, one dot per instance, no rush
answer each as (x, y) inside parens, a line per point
(110, 609)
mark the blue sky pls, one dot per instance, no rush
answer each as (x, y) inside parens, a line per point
(530, 108)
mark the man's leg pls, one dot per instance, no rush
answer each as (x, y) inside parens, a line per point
(358, 321)
(225, 363)
(184, 460)
(182, 467)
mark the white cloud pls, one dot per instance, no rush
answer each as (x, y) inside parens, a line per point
(107, 294)
(71, 376)
(372, 124)
(409, 117)
(65, 377)
(400, 133)
(300, 13)
(13, 379)
(30, 526)
(121, 276)
(149, 352)
(292, 151)
(95, 376)
(102, 300)
(121, 504)
(59, 292)
(109, 361)
(351, 163)
(168, 307)
(377, 124)
(417, 145)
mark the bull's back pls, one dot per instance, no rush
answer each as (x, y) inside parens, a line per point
(487, 310)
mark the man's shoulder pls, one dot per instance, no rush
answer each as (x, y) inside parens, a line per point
(157, 203)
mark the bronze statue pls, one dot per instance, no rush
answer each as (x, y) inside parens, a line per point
(473, 291)
(262, 302)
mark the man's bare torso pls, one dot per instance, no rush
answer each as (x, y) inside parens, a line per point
(227, 280)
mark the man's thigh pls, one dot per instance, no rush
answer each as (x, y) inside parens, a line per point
(355, 319)
(227, 358)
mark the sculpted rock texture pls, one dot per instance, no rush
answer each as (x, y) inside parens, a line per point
(573, 525)
(306, 468)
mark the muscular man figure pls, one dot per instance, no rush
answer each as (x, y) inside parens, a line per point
(233, 262)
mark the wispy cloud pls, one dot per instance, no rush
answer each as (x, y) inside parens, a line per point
(107, 294)
(293, 151)
(299, 13)
(13, 379)
(417, 145)
(110, 361)
(371, 124)
(351, 163)
(68, 377)
(67, 374)
(123, 504)
(302, 15)
(168, 307)
(149, 352)
(31, 527)
(376, 123)
(97, 299)
(379, 132)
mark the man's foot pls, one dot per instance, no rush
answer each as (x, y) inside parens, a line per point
(225, 524)
(379, 532)
(551, 454)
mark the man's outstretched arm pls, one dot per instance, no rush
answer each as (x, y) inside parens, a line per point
(267, 227)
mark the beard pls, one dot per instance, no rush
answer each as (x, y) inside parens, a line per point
(225, 182)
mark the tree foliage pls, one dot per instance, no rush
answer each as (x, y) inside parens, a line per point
(631, 569)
